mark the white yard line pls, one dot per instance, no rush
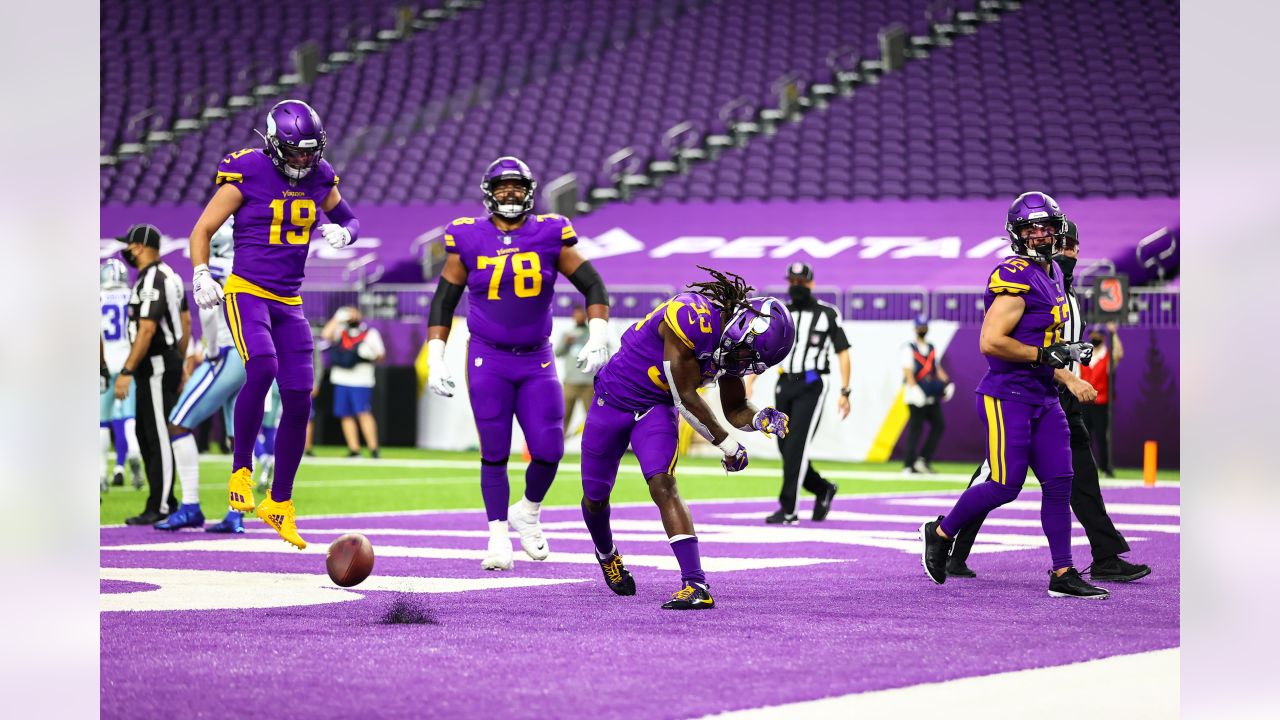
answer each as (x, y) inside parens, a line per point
(1142, 685)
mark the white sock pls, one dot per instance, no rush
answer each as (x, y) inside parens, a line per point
(498, 529)
(131, 439)
(186, 458)
(529, 506)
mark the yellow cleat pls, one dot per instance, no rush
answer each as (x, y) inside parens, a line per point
(282, 517)
(240, 490)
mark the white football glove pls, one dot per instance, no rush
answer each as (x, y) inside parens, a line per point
(437, 372)
(336, 235)
(207, 290)
(593, 355)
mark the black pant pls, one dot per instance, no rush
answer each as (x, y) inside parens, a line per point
(919, 416)
(1098, 421)
(1086, 497)
(803, 403)
(158, 379)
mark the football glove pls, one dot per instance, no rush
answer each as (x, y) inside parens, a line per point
(1060, 355)
(593, 355)
(770, 422)
(437, 372)
(336, 235)
(735, 455)
(207, 290)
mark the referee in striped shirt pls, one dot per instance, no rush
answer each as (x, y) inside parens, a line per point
(802, 393)
(1105, 541)
(159, 331)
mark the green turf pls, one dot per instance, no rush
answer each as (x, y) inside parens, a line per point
(367, 486)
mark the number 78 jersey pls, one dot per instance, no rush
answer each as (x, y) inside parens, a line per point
(511, 276)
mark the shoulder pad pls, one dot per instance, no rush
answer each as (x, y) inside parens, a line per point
(233, 167)
(568, 236)
(1010, 277)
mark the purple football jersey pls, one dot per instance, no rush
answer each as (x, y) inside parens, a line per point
(634, 378)
(273, 224)
(1041, 325)
(511, 276)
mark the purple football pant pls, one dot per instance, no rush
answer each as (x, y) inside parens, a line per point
(1021, 436)
(274, 340)
(503, 384)
(608, 432)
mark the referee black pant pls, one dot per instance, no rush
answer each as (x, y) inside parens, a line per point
(803, 403)
(932, 414)
(1086, 496)
(158, 378)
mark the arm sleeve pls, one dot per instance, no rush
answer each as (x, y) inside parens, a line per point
(590, 284)
(443, 303)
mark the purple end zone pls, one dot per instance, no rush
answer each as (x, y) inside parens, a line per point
(866, 620)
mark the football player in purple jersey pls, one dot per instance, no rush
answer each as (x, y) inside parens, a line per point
(275, 193)
(1027, 307)
(509, 261)
(716, 333)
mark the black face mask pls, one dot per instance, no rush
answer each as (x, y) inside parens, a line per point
(129, 259)
(353, 324)
(799, 293)
(921, 333)
(1068, 266)
(1095, 341)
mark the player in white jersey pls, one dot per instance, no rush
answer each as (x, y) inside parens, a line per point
(115, 417)
(213, 386)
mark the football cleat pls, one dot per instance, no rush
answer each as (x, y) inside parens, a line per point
(117, 478)
(103, 484)
(525, 522)
(822, 505)
(616, 575)
(935, 551)
(957, 568)
(1070, 584)
(498, 556)
(240, 490)
(186, 516)
(693, 596)
(282, 517)
(782, 518)
(1117, 569)
(232, 523)
(136, 472)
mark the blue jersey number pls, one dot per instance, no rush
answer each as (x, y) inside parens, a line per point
(115, 320)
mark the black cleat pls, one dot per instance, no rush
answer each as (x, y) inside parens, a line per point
(375, 454)
(1070, 584)
(616, 575)
(822, 505)
(957, 568)
(693, 596)
(935, 551)
(353, 453)
(1117, 569)
(781, 518)
(117, 479)
(146, 518)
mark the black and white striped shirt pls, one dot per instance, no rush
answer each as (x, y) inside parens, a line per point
(1074, 327)
(158, 295)
(817, 324)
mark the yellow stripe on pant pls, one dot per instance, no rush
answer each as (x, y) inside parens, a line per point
(233, 323)
(1004, 468)
(994, 439)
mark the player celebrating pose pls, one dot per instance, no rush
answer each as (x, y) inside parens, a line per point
(716, 331)
(113, 302)
(1022, 338)
(509, 262)
(274, 193)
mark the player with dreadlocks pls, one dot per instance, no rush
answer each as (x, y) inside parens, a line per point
(713, 333)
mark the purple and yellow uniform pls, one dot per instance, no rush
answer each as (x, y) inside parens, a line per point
(510, 362)
(272, 237)
(633, 404)
(1026, 426)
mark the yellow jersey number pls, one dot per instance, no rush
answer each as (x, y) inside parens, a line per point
(1061, 313)
(526, 267)
(302, 215)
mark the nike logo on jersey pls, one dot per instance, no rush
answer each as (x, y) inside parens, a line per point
(545, 364)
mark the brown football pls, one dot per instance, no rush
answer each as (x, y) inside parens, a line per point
(350, 560)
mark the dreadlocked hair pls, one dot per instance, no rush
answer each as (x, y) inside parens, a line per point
(726, 290)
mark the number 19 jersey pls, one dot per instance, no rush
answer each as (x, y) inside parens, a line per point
(511, 276)
(273, 225)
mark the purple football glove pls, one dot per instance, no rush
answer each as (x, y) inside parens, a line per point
(771, 422)
(735, 462)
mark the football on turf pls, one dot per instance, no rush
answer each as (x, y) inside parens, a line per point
(350, 560)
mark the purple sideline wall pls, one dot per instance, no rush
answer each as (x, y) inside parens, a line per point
(1145, 404)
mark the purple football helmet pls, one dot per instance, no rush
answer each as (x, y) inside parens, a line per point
(1036, 209)
(507, 168)
(756, 338)
(295, 138)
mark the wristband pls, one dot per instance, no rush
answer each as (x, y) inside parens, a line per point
(126, 372)
(844, 392)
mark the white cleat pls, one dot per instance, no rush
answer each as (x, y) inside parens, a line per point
(136, 472)
(524, 520)
(499, 555)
